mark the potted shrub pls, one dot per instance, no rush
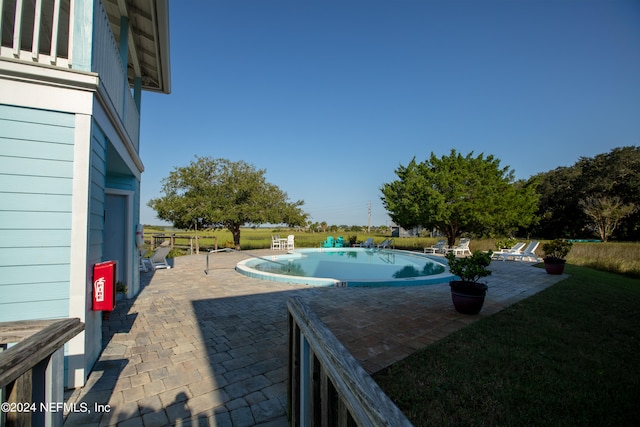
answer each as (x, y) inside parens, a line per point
(467, 293)
(555, 253)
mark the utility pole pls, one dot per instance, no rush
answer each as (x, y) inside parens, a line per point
(369, 220)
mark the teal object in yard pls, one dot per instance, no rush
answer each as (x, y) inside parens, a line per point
(340, 242)
(328, 243)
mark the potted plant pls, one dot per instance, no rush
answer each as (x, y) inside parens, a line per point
(467, 293)
(555, 253)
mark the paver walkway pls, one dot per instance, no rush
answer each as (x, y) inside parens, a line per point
(211, 350)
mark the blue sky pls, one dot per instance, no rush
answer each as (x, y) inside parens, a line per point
(330, 97)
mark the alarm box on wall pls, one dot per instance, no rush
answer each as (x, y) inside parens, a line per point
(104, 286)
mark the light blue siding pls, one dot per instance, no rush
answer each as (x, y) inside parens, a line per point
(36, 184)
(42, 184)
(35, 238)
(35, 220)
(36, 309)
(17, 275)
(40, 202)
(97, 179)
(36, 149)
(33, 166)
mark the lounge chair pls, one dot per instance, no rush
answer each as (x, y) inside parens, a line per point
(366, 244)
(159, 258)
(462, 248)
(143, 261)
(385, 245)
(528, 252)
(439, 248)
(515, 249)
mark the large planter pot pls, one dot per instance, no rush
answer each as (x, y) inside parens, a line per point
(468, 298)
(554, 267)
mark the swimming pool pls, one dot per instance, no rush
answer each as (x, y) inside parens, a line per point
(348, 267)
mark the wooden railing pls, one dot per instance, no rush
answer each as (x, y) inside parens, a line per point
(172, 240)
(32, 371)
(327, 385)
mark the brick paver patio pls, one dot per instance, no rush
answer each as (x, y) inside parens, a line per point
(197, 349)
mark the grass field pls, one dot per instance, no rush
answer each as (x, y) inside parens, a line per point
(567, 356)
(615, 257)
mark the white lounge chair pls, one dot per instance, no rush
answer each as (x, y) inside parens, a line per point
(159, 258)
(439, 248)
(528, 253)
(143, 261)
(462, 248)
(386, 244)
(366, 244)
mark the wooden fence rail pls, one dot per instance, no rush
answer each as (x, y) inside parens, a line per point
(193, 244)
(327, 385)
(32, 371)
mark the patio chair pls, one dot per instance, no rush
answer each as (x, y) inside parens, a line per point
(159, 258)
(528, 252)
(143, 261)
(275, 242)
(462, 248)
(328, 243)
(366, 244)
(385, 245)
(290, 242)
(439, 248)
(339, 242)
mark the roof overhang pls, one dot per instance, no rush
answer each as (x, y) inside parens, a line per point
(149, 54)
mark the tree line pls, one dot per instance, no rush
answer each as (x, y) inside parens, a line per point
(470, 194)
(596, 196)
(456, 194)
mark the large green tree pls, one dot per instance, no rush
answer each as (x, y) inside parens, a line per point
(219, 193)
(457, 194)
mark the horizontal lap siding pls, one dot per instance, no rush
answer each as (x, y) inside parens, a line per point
(36, 181)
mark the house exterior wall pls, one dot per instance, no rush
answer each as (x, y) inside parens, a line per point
(56, 126)
(69, 134)
(36, 177)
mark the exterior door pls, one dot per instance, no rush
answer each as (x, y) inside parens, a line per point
(115, 233)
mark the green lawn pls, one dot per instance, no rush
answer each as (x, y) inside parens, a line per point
(569, 355)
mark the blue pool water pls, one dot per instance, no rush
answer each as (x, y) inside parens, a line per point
(348, 267)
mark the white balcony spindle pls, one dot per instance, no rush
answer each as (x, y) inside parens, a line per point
(71, 20)
(35, 41)
(54, 32)
(1, 9)
(17, 26)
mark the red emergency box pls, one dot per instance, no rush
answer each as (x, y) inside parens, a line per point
(104, 286)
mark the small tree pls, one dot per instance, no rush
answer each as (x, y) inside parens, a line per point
(605, 213)
(219, 193)
(459, 194)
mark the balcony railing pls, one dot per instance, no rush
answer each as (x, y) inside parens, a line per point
(327, 385)
(32, 371)
(41, 32)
